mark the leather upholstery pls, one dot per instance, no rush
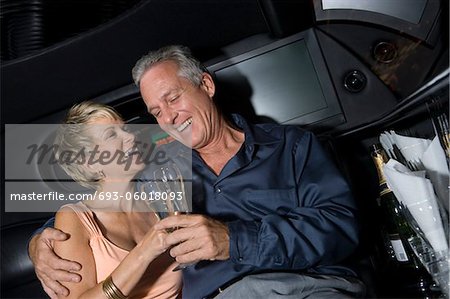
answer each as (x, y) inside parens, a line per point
(18, 279)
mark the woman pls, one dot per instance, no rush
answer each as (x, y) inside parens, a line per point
(121, 255)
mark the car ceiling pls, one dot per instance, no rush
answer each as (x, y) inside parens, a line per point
(70, 66)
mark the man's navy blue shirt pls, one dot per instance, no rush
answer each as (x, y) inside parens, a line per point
(286, 205)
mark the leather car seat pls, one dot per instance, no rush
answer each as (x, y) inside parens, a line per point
(18, 279)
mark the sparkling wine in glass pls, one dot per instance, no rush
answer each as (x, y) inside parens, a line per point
(168, 181)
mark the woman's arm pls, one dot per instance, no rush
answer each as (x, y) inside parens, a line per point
(77, 248)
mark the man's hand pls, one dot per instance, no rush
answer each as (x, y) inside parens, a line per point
(50, 269)
(197, 238)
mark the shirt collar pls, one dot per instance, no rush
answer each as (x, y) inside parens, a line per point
(254, 134)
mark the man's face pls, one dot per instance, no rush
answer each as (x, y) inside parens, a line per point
(183, 110)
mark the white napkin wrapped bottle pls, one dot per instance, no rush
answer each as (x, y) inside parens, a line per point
(417, 194)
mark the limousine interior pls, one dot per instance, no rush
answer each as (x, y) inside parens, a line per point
(348, 70)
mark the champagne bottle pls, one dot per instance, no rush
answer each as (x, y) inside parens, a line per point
(405, 276)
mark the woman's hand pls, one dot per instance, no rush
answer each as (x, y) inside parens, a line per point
(154, 242)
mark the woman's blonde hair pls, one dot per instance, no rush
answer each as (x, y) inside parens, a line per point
(73, 143)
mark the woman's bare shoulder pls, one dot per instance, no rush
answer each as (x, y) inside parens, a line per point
(68, 221)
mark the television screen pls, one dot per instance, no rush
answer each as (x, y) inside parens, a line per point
(286, 81)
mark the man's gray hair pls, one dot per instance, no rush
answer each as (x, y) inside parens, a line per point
(189, 67)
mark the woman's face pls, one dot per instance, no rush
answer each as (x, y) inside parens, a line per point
(115, 152)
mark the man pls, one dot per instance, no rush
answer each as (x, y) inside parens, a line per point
(275, 217)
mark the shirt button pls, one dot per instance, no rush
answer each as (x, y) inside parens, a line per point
(218, 190)
(240, 259)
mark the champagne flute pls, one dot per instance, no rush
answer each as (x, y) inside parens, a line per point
(168, 185)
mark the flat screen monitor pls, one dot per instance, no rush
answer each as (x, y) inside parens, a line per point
(286, 81)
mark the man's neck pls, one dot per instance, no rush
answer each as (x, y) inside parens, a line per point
(223, 147)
